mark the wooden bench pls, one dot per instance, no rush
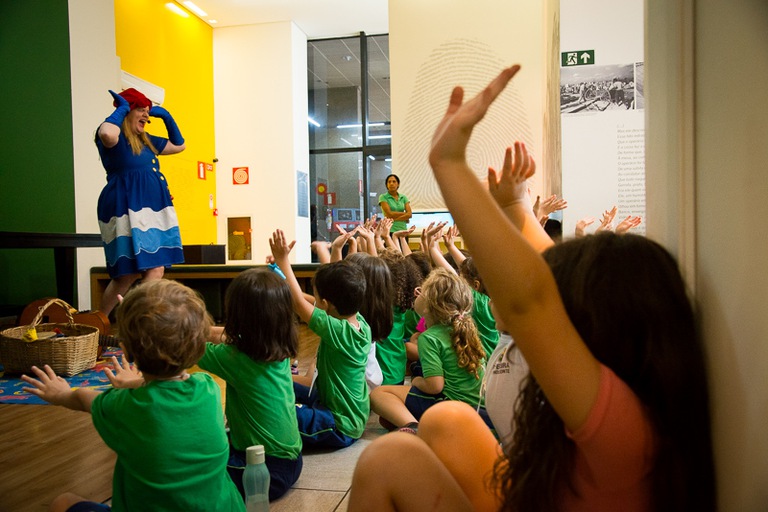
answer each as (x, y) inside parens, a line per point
(210, 280)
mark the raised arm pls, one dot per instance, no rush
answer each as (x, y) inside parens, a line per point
(582, 224)
(368, 235)
(517, 278)
(401, 239)
(175, 140)
(433, 234)
(449, 239)
(109, 131)
(339, 242)
(627, 224)
(280, 250)
(606, 222)
(510, 190)
(322, 249)
(549, 205)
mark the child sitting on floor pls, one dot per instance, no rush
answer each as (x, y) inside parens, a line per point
(615, 414)
(260, 338)
(452, 357)
(168, 432)
(334, 410)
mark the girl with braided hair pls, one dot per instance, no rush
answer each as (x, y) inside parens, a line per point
(452, 357)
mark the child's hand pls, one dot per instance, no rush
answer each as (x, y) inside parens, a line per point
(627, 224)
(450, 235)
(48, 386)
(511, 187)
(403, 232)
(449, 143)
(606, 223)
(582, 224)
(124, 375)
(280, 247)
(550, 205)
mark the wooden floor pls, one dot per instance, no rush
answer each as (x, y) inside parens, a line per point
(47, 450)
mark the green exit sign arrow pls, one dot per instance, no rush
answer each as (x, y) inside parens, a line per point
(579, 58)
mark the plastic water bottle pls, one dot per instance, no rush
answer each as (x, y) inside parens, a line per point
(256, 480)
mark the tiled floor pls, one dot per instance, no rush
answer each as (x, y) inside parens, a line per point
(326, 477)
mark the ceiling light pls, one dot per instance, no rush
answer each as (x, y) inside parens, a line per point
(195, 9)
(212, 21)
(178, 10)
(379, 136)
(372, 157)
(358, 125)
(313, 122)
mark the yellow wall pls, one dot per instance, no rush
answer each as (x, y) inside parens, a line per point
(176, 54)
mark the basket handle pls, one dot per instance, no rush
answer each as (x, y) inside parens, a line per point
(66, 307)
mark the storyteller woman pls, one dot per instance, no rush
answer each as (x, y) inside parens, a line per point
(137, 219)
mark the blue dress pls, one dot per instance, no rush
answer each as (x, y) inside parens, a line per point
(137, 219)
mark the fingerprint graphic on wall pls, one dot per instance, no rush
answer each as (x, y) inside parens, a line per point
(240, 176)
(472, 64)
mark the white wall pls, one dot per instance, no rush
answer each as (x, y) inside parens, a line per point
(731, 121)
(707, 150)
(260, 93)
(95, 69)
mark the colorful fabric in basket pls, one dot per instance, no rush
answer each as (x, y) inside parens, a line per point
(11, 386)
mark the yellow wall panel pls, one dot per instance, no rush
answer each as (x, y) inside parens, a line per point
(176, 53)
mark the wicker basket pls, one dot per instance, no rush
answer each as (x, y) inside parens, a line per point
(67, 356)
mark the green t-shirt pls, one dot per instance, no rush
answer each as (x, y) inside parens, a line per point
(261, 405)
(395, 205)
(439, 359)
(412, 319)
(171, 447)
(341, 359)
(486, 324)
(390, 352)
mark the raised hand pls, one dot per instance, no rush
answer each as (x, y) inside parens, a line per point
(627, 224)
(280, 248)
(606, 222)
(119, 100)
(340, 241)
(551, 204)
(159, 112)
(124, 375)
(582, 224)
(450, 235)
(511, 187)
(449, 142)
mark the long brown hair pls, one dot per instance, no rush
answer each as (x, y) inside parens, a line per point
(627, 299)
(260, 321)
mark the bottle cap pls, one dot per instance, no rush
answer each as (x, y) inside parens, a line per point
(254, 454)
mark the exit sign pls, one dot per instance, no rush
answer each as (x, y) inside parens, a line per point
(579, 58)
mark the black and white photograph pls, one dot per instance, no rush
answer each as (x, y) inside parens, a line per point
(597, 88)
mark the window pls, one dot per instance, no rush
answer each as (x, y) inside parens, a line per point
(349, 130)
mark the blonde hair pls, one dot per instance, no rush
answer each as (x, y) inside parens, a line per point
(163, 326)
(137, 141)
(449, 301)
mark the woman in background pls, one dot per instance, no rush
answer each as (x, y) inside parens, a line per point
(394, 205)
